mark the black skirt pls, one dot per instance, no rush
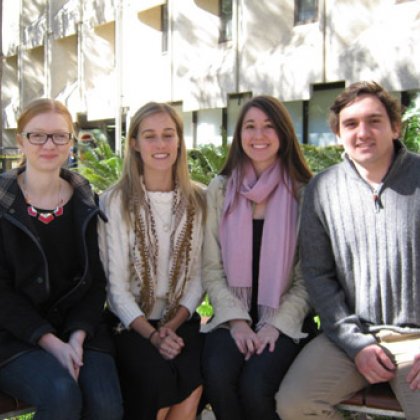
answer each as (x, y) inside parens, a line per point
(148, 381)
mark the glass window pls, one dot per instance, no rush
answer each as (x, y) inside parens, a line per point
(164, 27)
(225, 14)
(306, 11)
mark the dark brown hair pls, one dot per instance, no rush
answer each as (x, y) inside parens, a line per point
(289, 152)
(349, 95)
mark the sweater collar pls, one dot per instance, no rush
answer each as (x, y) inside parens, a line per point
(400, 156)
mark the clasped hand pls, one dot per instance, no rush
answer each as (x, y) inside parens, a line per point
(168, 343)
(250, 342)
(70, 355)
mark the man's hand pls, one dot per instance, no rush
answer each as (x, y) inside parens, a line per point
(374, 364)
(413, 377)
(245, 338)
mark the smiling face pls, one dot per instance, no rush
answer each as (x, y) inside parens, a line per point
(157, 142)
(367, 134)
(259, 139)
(48, 156)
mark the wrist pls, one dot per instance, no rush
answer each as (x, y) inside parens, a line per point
(151, 335)
(237, 323)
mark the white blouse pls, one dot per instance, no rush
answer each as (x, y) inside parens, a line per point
(116, 242)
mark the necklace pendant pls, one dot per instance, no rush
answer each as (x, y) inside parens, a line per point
(46, 218)
(58, 211)
(32, 212)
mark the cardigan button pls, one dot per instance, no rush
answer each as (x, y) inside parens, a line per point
(39, 280)
(12, 211)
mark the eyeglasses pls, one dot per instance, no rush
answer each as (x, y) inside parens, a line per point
(41, 138)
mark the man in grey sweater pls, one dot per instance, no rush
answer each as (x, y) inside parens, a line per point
(360, 255)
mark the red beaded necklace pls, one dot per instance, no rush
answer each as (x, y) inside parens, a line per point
(43, 216)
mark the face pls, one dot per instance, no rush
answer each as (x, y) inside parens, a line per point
(157, 142)
(259, 139)
(47, 156)
(366, 133)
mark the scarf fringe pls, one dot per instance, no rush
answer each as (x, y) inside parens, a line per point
(265, 313)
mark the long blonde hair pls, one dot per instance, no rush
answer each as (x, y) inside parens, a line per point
(129, 185)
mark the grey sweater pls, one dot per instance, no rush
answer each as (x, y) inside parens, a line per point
(360, 256)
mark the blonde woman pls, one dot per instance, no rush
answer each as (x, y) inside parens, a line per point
(55, 352)
(151, 248)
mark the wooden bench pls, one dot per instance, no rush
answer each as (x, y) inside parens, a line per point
(10, 407)
(376, 399)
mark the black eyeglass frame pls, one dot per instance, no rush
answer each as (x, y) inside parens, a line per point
(48, 136)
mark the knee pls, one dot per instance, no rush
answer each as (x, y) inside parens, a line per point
(63, 396)
(190, 404)
(103, 408)
(289, 404)
(257, 399)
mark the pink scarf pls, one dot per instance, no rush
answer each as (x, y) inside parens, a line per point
(279, 234)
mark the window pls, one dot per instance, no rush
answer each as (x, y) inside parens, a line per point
(164, 27)
(225, 14)
(306, 11)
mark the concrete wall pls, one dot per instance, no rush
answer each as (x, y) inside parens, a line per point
(104, 58)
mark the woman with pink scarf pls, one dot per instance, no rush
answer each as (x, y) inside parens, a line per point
(251, 265)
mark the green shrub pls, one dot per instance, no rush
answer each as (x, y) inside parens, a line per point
(99, 163)
(411, 126)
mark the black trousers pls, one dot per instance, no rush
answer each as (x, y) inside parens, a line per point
(239, 389)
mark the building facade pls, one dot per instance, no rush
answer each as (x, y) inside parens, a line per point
(105, 58)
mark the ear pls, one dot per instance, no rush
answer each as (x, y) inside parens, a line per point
(19, 141)
(134, 144)
(396, 131)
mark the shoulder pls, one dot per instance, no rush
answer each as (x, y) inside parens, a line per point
(110, 200)
(326, 176)
(8, 188)
(217, 185)
(82, 187)
(411, 158)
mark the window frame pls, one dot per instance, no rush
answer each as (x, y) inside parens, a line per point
(226, 21)
(298, 12)
(164, 25)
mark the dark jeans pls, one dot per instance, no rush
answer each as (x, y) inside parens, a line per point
(239, 389)
(40, 380)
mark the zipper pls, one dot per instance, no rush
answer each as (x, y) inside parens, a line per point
(377, 198)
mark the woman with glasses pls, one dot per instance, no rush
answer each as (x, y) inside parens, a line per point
(151, 249)
(55, 352)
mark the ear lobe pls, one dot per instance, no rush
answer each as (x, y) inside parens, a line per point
(19, 141)
(133, 144)
(397, 131)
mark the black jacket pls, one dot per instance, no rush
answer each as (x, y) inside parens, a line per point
(24, 281)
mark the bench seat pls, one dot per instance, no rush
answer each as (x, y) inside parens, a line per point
(377, 399)
(10, 407)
